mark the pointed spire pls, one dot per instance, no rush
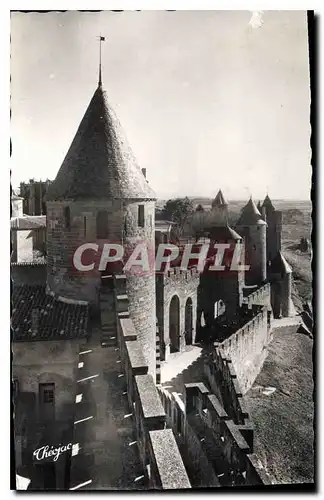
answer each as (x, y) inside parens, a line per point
(267, 205)
(99, 163)
(250, 215)
(219, 200)
(101, 39)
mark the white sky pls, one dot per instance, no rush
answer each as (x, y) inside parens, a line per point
(206, 101)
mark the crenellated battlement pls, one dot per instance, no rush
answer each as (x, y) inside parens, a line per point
(201, 426)
(178, 275)
(247, 347)
(154, 440)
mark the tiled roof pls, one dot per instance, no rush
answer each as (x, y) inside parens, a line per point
(224, 233)
(99, 163)
(55, 320)
(28, 222)
(250, 215)
(219, 200)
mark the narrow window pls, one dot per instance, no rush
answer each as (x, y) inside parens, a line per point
(67, 218)
(141, 215)
(84, 226)
(102, 225)
(47, 400)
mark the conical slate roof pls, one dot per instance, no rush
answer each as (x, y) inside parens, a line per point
(222, 233)
(280, 265)
(99, 163)
(219, 200)
(250, 215)
(259, 206)
(267, 204)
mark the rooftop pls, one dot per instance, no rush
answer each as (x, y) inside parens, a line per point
(219, 200)
(250, 215)
(38, 316)
(99, 163)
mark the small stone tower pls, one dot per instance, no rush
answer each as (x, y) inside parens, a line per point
(219, 210)
(281, 283)
(274, 222)
(100, 195)
(253, 228)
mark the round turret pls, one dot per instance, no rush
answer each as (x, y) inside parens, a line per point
(254, 230)
(99, 196)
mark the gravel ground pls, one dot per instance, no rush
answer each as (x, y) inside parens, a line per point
(282, 408)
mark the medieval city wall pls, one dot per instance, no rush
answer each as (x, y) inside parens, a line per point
(216, 450)
(155, 442)
(261, 296)
(247, 348)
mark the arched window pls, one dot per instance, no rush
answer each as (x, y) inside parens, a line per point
(67, 218)
(102, 224)
(174, 324)
(188, 321)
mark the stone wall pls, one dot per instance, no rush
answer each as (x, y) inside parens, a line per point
(60, 368)
(261, 296)
(155, 441)
(184, 285)
(223, 382)
(216, 451)
(32, 428)
(247, 348)
(62, 242)
(22, 245)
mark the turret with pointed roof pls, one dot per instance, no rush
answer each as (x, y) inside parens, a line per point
(100, 195)
(274, 222)
(219, 211)
(253, 228)
(250, 215)
(219, 200)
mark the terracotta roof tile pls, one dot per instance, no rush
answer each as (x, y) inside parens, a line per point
(37, 316)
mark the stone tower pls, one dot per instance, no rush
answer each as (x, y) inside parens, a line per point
(100, 195)
(219, 210)
(281, 284)
(254, 230)
(274, 223)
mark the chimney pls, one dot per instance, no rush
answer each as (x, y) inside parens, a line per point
(144, 172)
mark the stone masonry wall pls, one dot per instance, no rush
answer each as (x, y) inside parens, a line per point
(247, 348)
(60, 368)
(183, 284)
(216, 451)
(155, 442)
(62, 277)
(261, 296)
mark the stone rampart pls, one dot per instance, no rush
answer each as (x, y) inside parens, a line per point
(247, 348)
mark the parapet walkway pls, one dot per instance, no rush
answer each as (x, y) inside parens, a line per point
(104, 424)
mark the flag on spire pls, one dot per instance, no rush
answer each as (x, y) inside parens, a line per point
(102, 39)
